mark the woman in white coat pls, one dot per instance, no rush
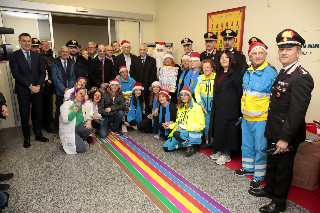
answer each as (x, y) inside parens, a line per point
(75, 122)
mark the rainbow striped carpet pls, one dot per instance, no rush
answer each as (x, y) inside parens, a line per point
(169, 191)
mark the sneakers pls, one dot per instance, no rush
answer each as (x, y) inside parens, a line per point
(216, 155)
(117, 132)
(223, 159)
(242, 172)
(255, 183)
(124, 128)
(190, 151)
(156, 136)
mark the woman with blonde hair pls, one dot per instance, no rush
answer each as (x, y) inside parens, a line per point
(187, 129)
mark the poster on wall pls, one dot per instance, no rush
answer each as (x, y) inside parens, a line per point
(227, 19)
(168, 77)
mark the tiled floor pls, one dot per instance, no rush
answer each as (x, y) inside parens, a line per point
(48, 180)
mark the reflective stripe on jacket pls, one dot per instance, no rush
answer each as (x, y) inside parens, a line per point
(256, 92)
(204, 91)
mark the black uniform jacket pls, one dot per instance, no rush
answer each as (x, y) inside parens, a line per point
(239, 58)
(290, 98)
(205, 55)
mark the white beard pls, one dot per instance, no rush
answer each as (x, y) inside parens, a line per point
(159, 57)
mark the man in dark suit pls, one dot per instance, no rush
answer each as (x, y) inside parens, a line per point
(109, 54)
(228, 43)
(64, 78)
(286, 126)
(124, 59)
(101, 69)
(29, 73)
(144, 70)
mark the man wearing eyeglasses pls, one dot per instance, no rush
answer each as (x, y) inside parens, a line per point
(47, 55)
(92, 48)
(101, 69)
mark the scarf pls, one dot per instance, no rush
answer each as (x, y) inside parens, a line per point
(180, 81)
(190, 81)
(134, 114)
(166, 119)
(154, 106)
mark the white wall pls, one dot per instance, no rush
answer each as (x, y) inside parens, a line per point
(189, 19)
(62, 33)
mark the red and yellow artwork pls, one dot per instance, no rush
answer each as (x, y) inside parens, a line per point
(227, 19)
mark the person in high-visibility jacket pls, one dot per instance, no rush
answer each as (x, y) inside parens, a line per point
(257, 83)
(187, 130)
(204, 95)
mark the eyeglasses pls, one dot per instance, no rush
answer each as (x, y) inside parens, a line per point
(45, 45)
(91, 47)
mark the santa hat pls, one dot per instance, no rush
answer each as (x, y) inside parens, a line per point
(186, 89)
(167, 55)
(160, 45)
(256, 45)
(122, 68)
(125, 42)
(137, 85)
(114, 81)
(156, 83)
(185, 57)
(195, 57)
(164, 91)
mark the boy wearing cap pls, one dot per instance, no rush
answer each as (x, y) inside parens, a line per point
(257, 83)
(210, 42)
(286, 127)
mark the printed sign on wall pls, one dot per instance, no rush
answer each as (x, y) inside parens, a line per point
(227, 19)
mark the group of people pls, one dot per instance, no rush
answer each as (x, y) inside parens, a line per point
(219, 101)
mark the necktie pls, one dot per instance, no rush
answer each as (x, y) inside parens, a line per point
(102, 69)
(142, 60)
(28, 59)
(65, 70)
(281, 71)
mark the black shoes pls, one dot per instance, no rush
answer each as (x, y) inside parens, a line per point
(48, 129)
(242, 172)
(4, 187)
(26, 143)
(55, 130)
(190, 151)
(273, 208)
(204, 146)
(258, 193)
(4, 177)
(41, 138)
(255, 183)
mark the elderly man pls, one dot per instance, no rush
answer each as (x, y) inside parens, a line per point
(29, 73)
(144, 70)
(92, 48)
(109, 53)
(210, 42)
(116, 48)
(73, 49)
(47, 56)
(126, 86)
(124, 59)
(257, 83)
(286, 126)
(64, 78)
(101, 69)
(228, 43)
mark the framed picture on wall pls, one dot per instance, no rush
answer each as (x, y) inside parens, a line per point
(227, 19)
